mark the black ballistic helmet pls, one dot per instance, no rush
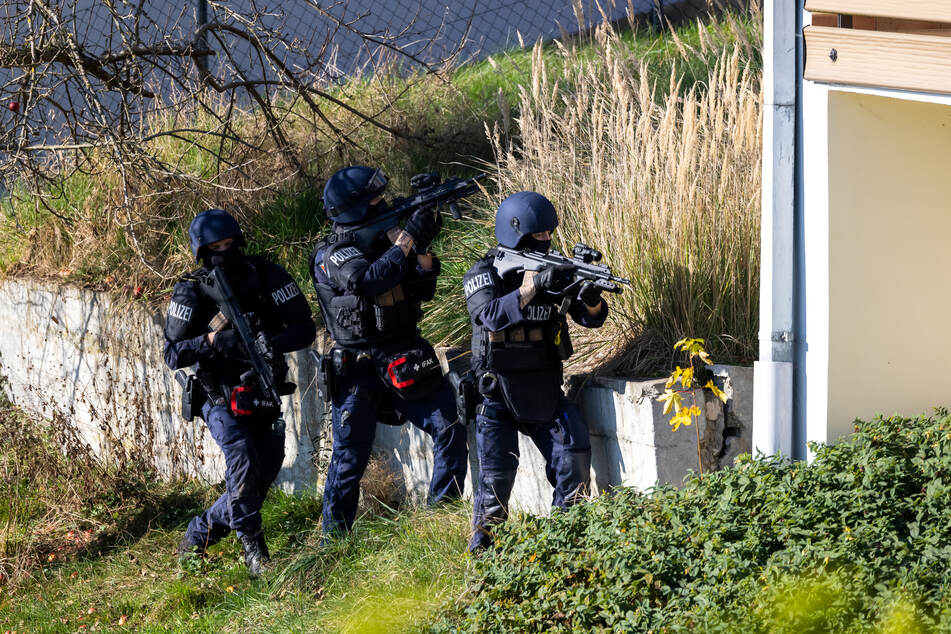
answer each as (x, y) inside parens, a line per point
(348, 193)
(211, 226)
(523, 214)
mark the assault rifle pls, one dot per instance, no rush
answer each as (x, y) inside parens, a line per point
(429, 192)
(216, 286)
(584, 261)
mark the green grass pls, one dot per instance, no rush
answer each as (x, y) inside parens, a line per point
(86, 544)
(393, 574)
(688, 57)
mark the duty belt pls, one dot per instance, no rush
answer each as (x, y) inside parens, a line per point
(517, 334)
(390, 297)
(495, 413)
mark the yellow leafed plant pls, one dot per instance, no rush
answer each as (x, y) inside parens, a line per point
(672, 398)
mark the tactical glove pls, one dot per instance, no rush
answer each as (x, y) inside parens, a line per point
(590, 294)
(227, 343)
(554, 278)
(423, 226)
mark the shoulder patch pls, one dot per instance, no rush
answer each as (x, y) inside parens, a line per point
(477, 282)
(286, 293)
(180, 312)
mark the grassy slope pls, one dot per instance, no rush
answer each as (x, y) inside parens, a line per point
(392, 575)
(856, 541)
(83, 544)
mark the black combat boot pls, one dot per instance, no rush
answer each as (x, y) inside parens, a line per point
(255, 553)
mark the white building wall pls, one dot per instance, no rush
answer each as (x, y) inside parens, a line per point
(875, 193)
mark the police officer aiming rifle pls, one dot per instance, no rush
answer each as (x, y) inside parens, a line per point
(371, 277)
(518, 297)
(233, 319)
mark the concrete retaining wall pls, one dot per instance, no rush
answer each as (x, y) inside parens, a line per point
(80, 356)
(75, 354)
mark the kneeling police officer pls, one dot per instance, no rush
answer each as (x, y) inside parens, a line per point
(370, 281)
(249, 432)
(519, 341)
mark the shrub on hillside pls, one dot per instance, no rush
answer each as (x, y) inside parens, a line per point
(858, 540)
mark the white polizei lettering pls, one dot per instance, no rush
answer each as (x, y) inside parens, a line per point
(288, 292)
(340, 256)
(477, 283)
(179, 311)
(538, 313)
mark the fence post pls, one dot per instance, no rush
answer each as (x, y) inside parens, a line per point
(201, 61)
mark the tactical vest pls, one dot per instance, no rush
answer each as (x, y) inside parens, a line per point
(220, 376)
(253, 297)
(526, 359)
(355, 321)
(540, 346)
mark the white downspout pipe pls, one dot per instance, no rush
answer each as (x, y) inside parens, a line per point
(773, 373)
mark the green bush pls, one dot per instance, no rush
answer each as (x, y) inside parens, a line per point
(858, 540)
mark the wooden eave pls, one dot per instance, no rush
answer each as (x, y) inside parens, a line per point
(926, 10)
(904, 61)
(898, 44)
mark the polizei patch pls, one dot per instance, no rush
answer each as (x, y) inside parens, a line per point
(286, 293)
(477, 283)
(180, 311)
(538, 313)
(345, 254)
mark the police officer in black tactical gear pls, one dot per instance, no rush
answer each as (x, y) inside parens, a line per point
(252, 440)
(370, 281)
(519, 341)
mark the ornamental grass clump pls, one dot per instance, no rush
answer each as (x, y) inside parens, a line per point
(859, 540)
(664, 180)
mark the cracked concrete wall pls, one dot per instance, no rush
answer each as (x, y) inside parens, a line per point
(79, 355)
(73, 353)
(631, 439)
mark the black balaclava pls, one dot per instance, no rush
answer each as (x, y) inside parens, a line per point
(529, 242)
(376, 209)
(231, 259)
(368, 236)
(372, 241)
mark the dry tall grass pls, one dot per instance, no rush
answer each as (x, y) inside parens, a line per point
(668, 188)
(127, 227)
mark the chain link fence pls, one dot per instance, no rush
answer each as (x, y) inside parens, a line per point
(470, 29)
(76, 74)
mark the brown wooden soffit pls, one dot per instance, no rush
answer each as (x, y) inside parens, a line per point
(926, 10)
(870, 23)
(904, 61)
